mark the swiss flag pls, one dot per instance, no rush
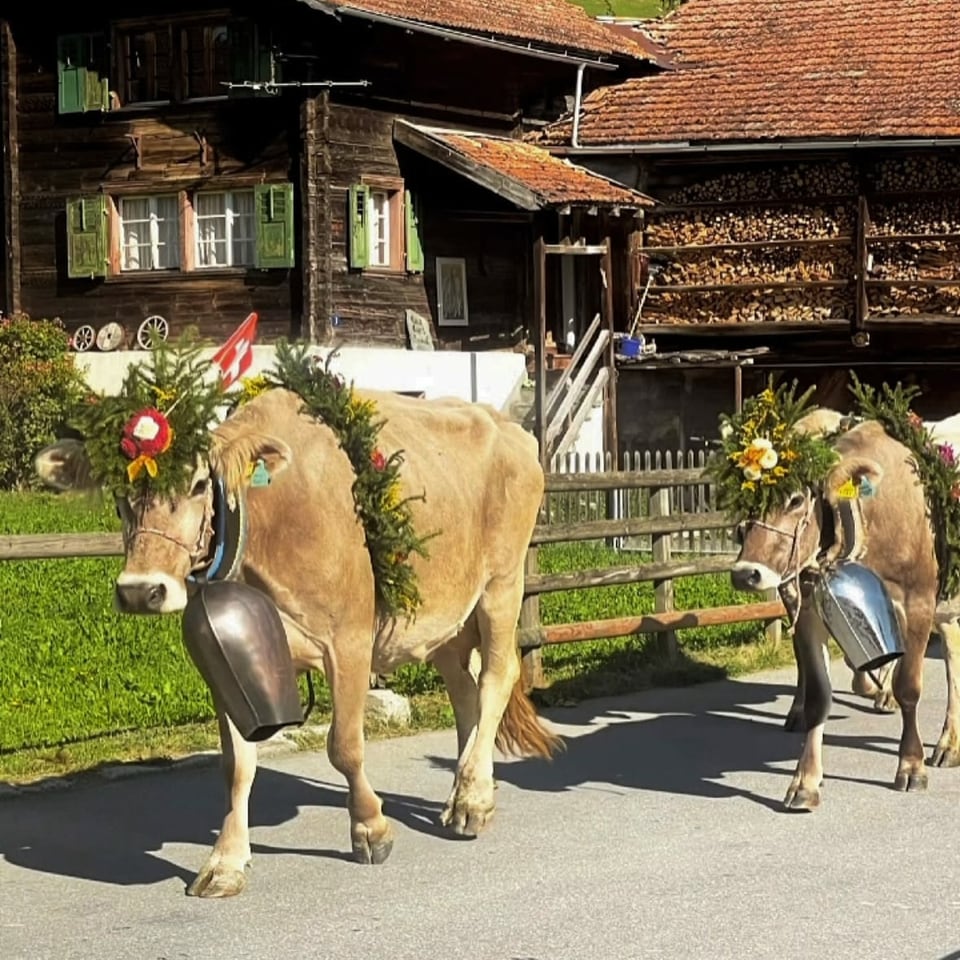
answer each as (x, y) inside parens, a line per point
(235, 356)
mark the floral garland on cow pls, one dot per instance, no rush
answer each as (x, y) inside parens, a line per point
(936, 463)
(147, 438)
(762, 458)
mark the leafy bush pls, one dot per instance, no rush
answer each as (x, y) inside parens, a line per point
(38, 385)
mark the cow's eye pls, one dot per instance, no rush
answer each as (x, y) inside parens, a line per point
(200, 488)
(796, 501)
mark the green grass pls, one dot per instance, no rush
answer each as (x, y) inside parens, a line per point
(81, 685)
(620, 8)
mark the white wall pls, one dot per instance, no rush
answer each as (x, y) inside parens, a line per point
(492, 377)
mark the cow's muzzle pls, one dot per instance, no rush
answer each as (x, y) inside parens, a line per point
(148, 595)
(753, 576)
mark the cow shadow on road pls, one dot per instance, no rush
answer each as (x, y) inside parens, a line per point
(691, 741)
(115, 832)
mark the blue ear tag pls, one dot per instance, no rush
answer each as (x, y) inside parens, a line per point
(260, 476)
(867, 489)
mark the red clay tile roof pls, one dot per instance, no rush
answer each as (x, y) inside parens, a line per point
(546, 23)
(786, 69)
(552, 182)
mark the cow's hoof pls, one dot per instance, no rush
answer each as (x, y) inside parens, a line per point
(794, 722)
(801, 798)
(885, 702)
(217, 882)
(946, 753)
(366, 849)
(466, 820)
(908, 782)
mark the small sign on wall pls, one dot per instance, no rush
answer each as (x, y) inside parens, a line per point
(419, 333)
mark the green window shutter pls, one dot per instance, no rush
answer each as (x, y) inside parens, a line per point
(357, 219)
(275, 241)
(87, 237)
(71, 73)
(80, 86)
(412, 227)
(251, 56)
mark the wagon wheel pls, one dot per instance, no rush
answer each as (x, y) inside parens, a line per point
(110, 337)
(154, 325)
(83, 338)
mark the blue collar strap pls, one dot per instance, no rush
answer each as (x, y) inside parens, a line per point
(229, 537)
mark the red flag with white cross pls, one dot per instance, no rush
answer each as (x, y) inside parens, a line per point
(236, 355)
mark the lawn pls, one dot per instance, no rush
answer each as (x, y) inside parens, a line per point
(621, 8)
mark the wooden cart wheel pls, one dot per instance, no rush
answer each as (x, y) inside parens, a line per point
(83, 338)
(154, 325)
(110, 337)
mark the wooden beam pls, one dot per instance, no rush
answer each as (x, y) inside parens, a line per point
(10, 154)
(309, 218)
(540, 325)
(53, 546)
(610, 396)
(577, 249)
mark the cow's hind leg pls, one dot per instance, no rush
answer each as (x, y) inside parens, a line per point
(348, 675)
(471, 802)
(877, 684)
(907, 686)
(223, 875)
(811, 638)
(947, 751)
(458, 663)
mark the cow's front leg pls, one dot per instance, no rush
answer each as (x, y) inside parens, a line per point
(223, 875)
(811, 638)
(947, 751)
(348, 675)
(794, 720)
(907, 686)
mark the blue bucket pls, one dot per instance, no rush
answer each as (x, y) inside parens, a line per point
(630, 347)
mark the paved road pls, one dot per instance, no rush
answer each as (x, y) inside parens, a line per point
(659, 834)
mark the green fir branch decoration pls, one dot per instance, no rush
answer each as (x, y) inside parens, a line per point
(178, 397)
(384, 513)
(936, 464)
(762, 460)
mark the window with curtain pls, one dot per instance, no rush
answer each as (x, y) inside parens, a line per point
(225, 229)
(149, 233)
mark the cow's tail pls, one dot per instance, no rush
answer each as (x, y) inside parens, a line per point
(521, 733)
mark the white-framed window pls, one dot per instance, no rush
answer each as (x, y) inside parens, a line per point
(378, 216)
(225, 229)
(452, 291)
(149, 233)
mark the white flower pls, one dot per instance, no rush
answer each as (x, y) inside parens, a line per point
(769, 460)
(146, 428)
(751, 472)
(726, 430)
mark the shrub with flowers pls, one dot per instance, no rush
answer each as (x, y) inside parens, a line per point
(762, 459)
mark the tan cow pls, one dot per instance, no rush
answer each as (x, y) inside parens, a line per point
(778, 550)
(305, 548)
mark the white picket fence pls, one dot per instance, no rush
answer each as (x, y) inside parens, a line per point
(624, 504)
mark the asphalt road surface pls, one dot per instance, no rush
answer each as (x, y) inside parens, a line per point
(658, 834)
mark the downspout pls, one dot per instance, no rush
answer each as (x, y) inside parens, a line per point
(577, 99)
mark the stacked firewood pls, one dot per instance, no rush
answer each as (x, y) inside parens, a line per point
(940, 215)
(750, 224)
(756, 305)
(786, 264)
(904, 301)
(903, 174)
(915, 260)
(788, 182)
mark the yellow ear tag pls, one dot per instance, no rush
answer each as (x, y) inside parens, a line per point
(848, 491)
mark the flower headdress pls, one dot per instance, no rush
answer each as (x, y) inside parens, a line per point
(149, 435)
(762, 458)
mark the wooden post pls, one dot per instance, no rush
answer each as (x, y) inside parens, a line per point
(10, 154)
(309, 219)
(531, 659)
(738, 388)
(773, 629)
(610, 392)
(540, 318)
(663, 589)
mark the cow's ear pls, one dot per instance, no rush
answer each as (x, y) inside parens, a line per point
(239, 459)
(64, 465)
(853, 478)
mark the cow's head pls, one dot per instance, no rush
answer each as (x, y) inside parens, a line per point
(167, 538)
(776, 547)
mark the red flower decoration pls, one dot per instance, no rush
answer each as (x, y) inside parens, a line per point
(378, 460)
(147, 432)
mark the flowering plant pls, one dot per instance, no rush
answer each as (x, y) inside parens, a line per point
(762, 458)
(145, 435)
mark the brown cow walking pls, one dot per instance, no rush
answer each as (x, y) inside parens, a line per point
(305, 549)
(900, 549)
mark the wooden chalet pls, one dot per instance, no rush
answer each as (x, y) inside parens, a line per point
(341, 167)
(806, 162)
